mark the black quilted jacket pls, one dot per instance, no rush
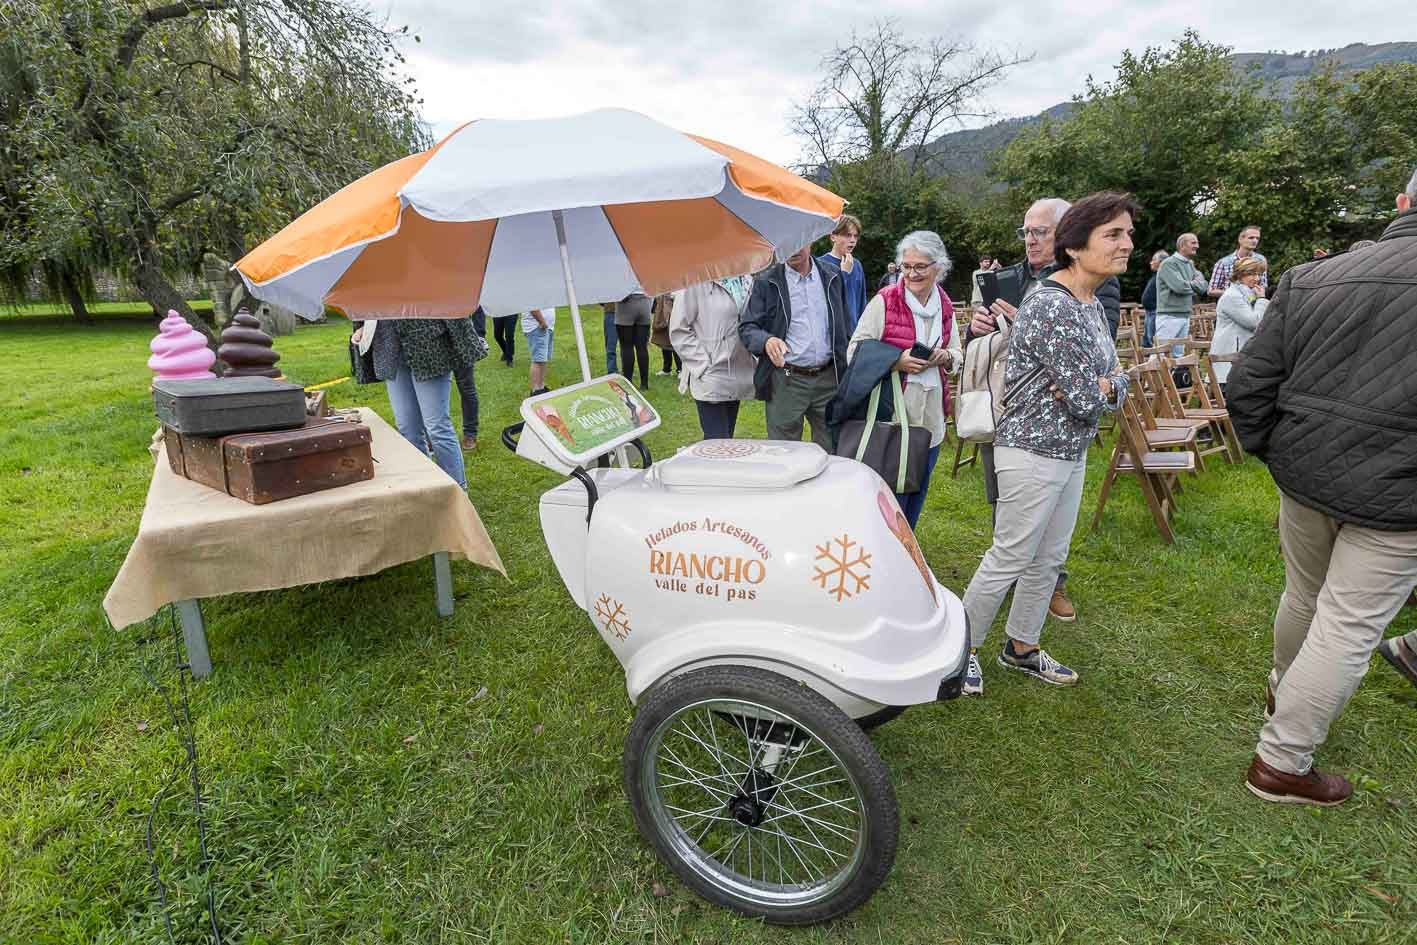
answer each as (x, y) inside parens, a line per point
(1326, 394)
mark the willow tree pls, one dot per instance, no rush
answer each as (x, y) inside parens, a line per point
(154, 131)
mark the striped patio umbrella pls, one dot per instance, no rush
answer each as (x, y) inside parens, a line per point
(514, 215)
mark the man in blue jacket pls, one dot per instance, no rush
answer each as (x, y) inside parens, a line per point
(795, 324)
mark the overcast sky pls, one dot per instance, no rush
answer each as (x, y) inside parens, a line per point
(731, 69)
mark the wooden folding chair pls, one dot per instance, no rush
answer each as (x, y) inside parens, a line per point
(1213, 397)
(1218, 419)
(1127, 345)
(960, 443)
(1203, 325)
(1158, 386)
(959, 452)
(1157, 473)
(1164, 433)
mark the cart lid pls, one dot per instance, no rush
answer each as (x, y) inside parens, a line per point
(742, 464)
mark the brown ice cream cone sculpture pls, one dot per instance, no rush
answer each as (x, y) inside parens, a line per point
(246, 349)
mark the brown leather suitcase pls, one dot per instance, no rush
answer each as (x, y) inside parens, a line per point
(279, 464)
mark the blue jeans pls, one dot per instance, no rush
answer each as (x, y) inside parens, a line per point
(717, 418)
(423, 414)
(1148, 334)
(912, 504)
(610, 342)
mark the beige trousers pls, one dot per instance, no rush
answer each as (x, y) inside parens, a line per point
(1343, 584)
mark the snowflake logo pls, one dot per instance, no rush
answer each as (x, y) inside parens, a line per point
(842, 567)
(612, 616)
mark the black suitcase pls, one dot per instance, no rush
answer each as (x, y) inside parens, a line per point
(222, 405)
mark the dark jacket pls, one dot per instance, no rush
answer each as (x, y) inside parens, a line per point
(429, 346)
(1326, 393)
(874, 360)
(1148, 296)
(1108, 293)
(769, 310)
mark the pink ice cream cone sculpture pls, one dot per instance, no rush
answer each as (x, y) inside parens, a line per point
(180, 352)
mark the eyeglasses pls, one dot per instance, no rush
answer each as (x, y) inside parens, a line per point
(1037, 232)
(920, 268)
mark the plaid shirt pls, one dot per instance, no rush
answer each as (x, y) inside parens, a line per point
(1220, 275)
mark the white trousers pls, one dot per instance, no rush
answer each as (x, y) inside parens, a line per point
(1033, 527)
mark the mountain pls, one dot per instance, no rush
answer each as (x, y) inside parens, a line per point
(965, 154)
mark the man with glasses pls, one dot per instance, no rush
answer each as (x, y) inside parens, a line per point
(1040, 224)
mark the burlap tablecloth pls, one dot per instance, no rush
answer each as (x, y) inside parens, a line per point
(196, 542)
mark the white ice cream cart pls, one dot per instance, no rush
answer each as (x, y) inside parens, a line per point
(768, 603)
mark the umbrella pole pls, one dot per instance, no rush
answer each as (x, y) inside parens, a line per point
(560, 222)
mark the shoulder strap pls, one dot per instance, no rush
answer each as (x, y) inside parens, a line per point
(904, 463)
(871, 408)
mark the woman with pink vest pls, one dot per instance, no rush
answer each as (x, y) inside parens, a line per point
(915, 315)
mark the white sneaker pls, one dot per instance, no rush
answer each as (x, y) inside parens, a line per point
(973, 677)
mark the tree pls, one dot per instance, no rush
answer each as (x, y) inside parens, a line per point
(885, 95)
(867, 126)
(1326, 172)
(151, 132)
(1164, 130)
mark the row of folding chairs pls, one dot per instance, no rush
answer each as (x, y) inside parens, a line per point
(1173, 420)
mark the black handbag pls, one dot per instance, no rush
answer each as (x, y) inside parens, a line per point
(361, 366)
(897, 451)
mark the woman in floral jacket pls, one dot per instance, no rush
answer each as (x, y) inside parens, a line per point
(1062, 375)
(415, 358)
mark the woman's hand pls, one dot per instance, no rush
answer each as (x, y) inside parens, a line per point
(940, 357)
(907, 363)
(358, 334)
(1104, 384)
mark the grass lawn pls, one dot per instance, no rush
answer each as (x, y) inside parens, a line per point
(99, 310)
(376, 774)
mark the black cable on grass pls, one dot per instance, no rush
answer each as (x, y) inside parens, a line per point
(187, 737)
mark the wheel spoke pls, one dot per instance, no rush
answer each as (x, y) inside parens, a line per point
(808, 821)
(707, 813)
(700, 777)
(718, 751)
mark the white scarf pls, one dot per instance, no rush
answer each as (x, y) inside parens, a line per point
(928, 331)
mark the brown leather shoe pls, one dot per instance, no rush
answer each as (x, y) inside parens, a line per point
(469, 442)
(1060, 608)
(1400, 654)
(1281, 787)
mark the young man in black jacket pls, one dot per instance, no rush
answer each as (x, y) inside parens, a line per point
(1327, 397)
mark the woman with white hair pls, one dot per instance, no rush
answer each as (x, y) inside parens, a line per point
(916, 312)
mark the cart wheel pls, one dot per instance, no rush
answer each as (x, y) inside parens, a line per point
(761, 794)
(880, 717)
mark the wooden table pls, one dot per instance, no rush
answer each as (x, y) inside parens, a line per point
(195, 542)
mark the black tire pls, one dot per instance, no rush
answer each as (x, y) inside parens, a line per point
(881, 717)
(753, 727)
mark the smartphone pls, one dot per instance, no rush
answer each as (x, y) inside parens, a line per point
(988, 283)
(1002, 284)
(923, 352)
